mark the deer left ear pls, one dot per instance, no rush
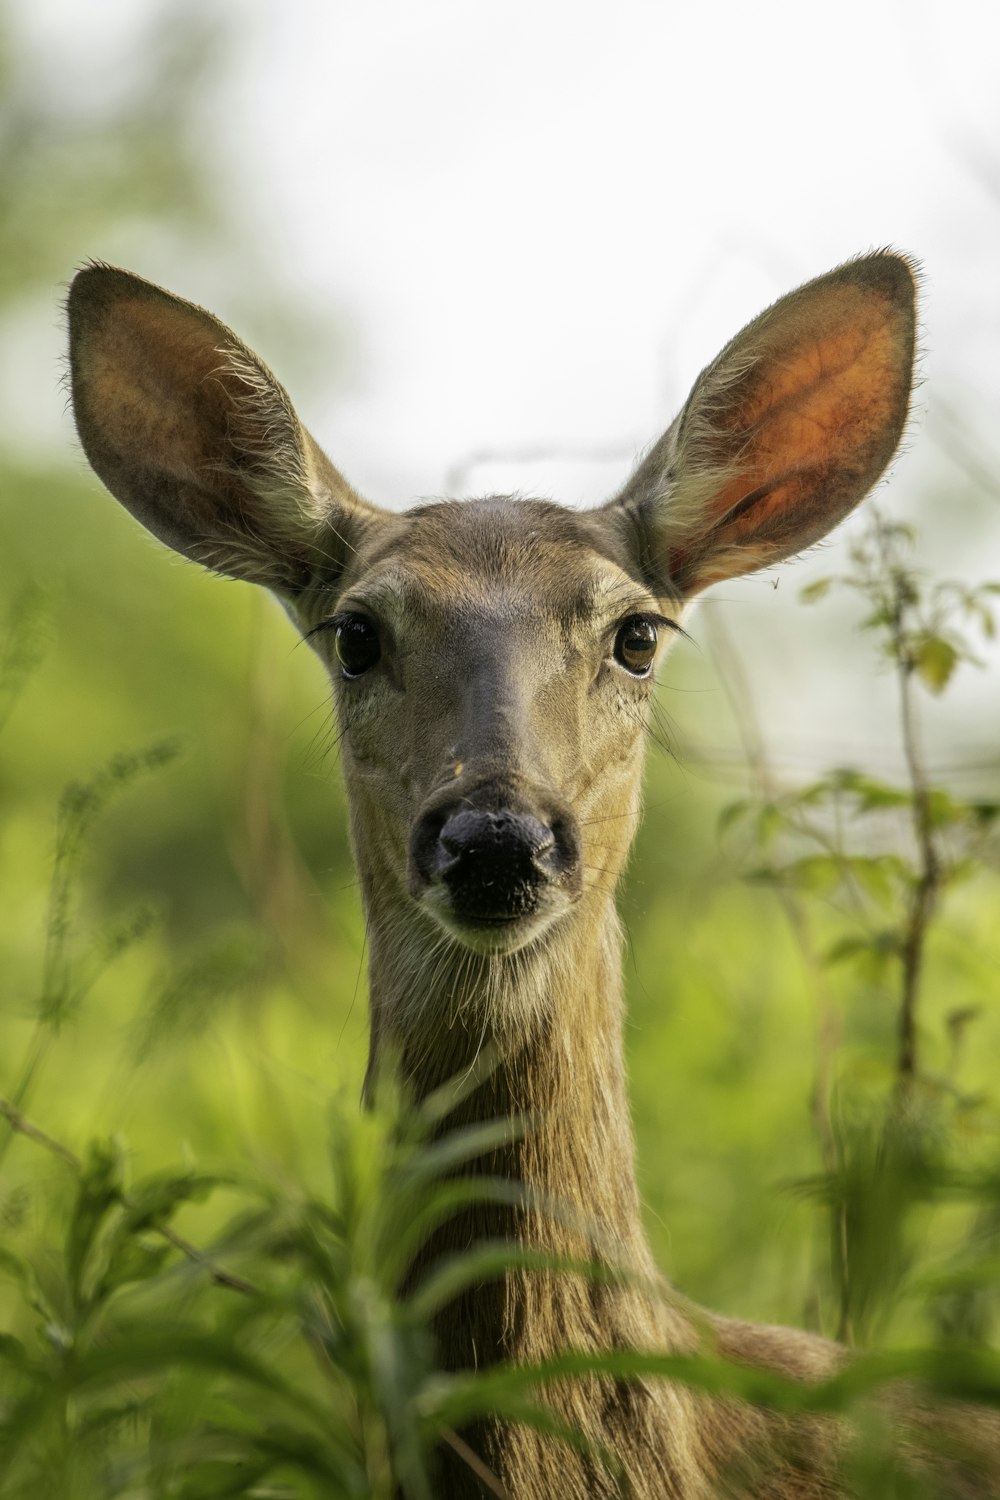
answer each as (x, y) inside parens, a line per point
(782, 434)
(189, 429)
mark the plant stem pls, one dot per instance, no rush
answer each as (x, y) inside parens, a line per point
(927, 885)
(9, 1108)
(925, 892)
(20, 1125)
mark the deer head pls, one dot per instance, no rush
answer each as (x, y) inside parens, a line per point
(492, 661)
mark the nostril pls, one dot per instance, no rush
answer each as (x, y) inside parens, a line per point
(471, 835)
(495, 862)
(490, 863)
(545, 840)
(505, 837)
(563, 851)
(425, 846)
(457, 837)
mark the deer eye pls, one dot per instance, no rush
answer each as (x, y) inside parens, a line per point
(635, 645)
(357, 645)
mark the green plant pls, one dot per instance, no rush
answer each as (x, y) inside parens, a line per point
(863, 868)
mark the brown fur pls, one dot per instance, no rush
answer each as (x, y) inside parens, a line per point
(497, 687)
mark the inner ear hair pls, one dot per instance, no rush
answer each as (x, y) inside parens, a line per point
(189, 429)
(784, 433)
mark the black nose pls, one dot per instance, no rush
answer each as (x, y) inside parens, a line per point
(494, 864)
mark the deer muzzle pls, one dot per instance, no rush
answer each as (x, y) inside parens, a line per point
(497, 867)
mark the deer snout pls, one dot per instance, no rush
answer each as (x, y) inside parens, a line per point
(495, 865)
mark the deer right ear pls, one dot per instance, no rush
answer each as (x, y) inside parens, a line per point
(195, 436)
(782, 434)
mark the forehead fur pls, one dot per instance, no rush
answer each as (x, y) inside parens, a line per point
(475, 551)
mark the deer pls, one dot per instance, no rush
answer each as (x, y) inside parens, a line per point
(492, 662)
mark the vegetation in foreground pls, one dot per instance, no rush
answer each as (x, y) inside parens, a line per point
(203, 1259)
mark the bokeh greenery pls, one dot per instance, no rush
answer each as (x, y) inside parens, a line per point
(182, 994)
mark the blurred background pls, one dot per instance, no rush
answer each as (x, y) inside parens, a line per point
(487, 248)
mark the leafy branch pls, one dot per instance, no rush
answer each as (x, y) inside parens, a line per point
(923, 628)
(833, 846)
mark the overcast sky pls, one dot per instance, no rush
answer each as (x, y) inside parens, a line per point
(534, 223)
(542, 219)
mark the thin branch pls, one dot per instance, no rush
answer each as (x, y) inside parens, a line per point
(21, 1125)
(927, 886)
(475, 1463)
(217, 1274)
(925, 891)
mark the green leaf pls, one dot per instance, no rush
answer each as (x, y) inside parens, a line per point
(815, 591)
(813, 795)
(135, 1261)
(492, 1259)
(732, 813)
(461, 1146)
(879, 619)
(870, 793)
(935, 660)
(99, 1191)
(155, 1200)
(443, 1200)
(873, 950)
(770, 822)
(943, 808)
(879, 875)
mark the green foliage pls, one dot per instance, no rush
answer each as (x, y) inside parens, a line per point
(866, 870)
(922, 625)
(177, 1328)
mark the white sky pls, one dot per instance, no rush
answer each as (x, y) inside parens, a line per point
(544, 218)
(535, 223)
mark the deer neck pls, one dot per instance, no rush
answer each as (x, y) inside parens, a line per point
(544, 1029)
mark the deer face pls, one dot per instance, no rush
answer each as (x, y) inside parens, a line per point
(492, 663)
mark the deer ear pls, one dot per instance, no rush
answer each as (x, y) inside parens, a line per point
(782, 435)
(193, 434)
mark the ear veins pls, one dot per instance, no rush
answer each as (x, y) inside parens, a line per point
(827, 406)
(821, 420)
(193, 434)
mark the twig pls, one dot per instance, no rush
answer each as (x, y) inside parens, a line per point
(925, 892)
(217, 1274)
(37, 1046)
(21, 1125)
(475, 1463)
(928, 884)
